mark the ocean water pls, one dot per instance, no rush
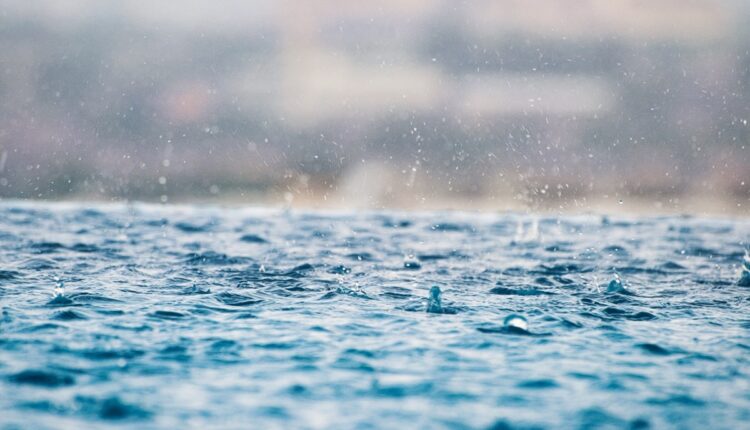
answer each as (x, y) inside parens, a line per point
(145, 316)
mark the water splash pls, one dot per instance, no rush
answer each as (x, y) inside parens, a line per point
(527, 235)
(411, 262)
(435, 301)
(616, 286)
(744, 280)
(59, 287)
(516, 323)
(58, 298)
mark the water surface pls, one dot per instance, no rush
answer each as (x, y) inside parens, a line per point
(183, 317)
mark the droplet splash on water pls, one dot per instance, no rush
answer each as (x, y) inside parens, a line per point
(411, 262)
(59, 287)
(435, 301)
(744, 280)
(195, 303)
(616, 286)
(515, 322)
(58, 298)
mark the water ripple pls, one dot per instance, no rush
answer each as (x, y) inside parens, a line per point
(165, 317)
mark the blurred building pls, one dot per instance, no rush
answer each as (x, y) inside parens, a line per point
(417, 103)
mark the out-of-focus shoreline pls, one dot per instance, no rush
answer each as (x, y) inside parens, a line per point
(708, 206)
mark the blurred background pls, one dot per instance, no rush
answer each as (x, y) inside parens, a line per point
(573, 105)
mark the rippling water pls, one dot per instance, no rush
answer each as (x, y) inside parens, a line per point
(169, 317)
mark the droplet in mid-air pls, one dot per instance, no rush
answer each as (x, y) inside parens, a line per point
(744, 280)
(435, 301)
(515, 322)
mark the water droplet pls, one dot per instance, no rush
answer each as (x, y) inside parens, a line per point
(435, 301)
(59, 287)
(516, 322)
(744, 280)
(616, 285)
(411, 262)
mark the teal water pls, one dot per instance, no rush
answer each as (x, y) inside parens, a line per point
(184, 317)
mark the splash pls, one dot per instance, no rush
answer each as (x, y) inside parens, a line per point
(435, 301)
(411, 262)
(516, 323)
(58, 298)
(59, 287)
(744, 280)
(616, 286)
(529, 235)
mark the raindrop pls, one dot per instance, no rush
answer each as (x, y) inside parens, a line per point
(515, 322)
(616, 286)
(59, 287)
(744, 280)
(435, 301)
(411, 262)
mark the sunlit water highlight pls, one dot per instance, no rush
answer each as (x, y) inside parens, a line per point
(185, 317)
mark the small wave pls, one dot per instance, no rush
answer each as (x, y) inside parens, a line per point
(252, 238)
(110, 408)
(42, 378)
(213, 258)
(538, 384)
(46, 247)
(39, 264)
(9, 275)
(653, 348)
(60, 300)
(187, 227)
(232, 299)
(561, 269)
(195, 289)
(86, 248)
(92, 298)
(111, 354)
(70, 315)
(505, 291)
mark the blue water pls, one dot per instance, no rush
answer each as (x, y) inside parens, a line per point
(185, 317)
